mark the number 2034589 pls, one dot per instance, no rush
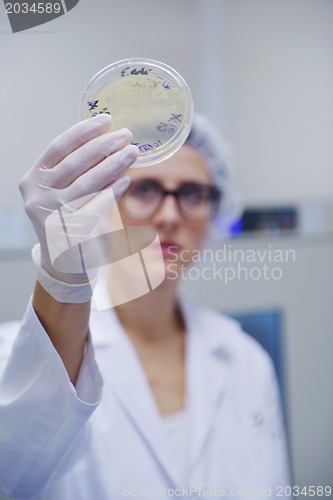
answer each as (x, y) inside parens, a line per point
(35, 8)
(304, 491)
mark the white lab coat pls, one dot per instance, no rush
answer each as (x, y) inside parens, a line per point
(62, 443)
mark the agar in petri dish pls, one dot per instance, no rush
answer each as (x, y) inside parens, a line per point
(149, 98)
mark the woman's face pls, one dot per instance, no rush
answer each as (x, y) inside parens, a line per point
(179, 236)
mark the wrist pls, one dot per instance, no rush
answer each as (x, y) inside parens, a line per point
(65, 288)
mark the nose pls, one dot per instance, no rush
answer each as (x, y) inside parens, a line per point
(168, 212)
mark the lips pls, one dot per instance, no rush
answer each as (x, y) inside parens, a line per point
(169, 248)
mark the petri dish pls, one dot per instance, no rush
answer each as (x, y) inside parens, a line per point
(149, 98)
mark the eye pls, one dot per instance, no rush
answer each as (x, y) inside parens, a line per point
(144, 189)
(193, 193)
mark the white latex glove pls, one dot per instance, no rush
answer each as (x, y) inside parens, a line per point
(67, 193)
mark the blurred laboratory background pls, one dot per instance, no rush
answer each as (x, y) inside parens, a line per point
(262, 70)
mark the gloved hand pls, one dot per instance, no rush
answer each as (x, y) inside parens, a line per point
(66, 194)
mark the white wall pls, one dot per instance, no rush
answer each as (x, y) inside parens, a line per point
(273, 75)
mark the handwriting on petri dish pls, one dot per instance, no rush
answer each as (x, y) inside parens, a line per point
(165, 84)
(171, 124)
(144, 72)
(148, 147)
(94, 105)
(135, 71)
(153, 84)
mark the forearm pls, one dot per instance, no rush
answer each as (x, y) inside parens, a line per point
(67, 326)
(44, 418)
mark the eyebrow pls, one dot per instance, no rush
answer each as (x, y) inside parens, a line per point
(186, 181)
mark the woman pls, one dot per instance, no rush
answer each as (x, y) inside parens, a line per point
(189, 405)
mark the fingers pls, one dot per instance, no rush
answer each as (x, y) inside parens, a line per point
(104, 200)
(86, 157)
(81, 217)
(73, 138)
(83, 205)
(101, 176)
(120, 186)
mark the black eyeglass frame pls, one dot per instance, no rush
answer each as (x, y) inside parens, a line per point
(213, 193)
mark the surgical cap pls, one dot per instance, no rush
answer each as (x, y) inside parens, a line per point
(205, 138)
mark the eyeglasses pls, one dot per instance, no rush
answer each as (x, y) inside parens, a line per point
(197, 202)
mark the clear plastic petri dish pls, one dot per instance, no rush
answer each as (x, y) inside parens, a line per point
(149, 98)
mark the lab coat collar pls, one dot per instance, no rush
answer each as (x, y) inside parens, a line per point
(216, 339)
(207, 360)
